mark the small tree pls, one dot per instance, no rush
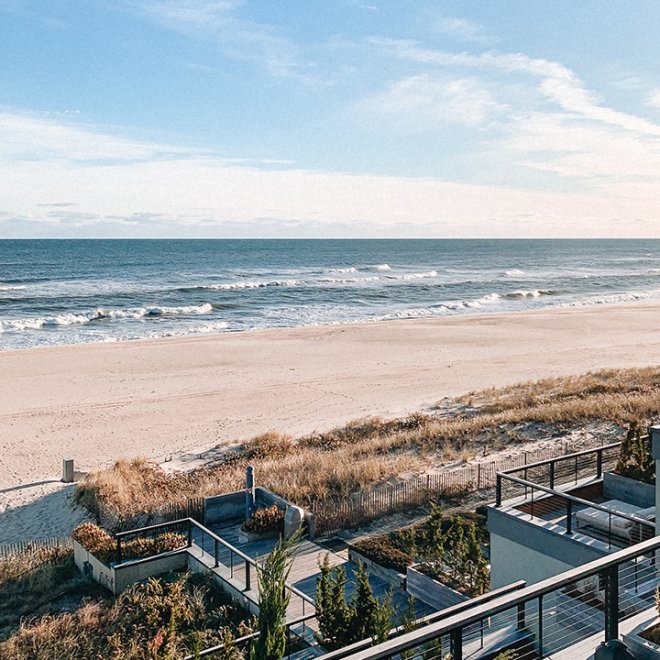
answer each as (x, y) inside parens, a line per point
(635, 458)
(273, 601)
(332, 611)
(364, 606)
(383, 618)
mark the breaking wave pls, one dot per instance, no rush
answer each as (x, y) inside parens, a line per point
(40, 322)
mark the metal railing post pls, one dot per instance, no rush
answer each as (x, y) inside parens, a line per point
(569, 516)
(540, 635)
(247, 576)
(498, 490)
(599, 464)
(520, 618)
(576, 469)
(612, 603)
(552, 474)
(215, 552)
(119, 550)
(190, 535)
(456, 644)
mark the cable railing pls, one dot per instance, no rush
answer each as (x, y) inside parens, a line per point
(238, 567)
(577, 514)
(584, 605)
(533, 490)
(570, 469)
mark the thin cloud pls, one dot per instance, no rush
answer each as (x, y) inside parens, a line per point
(238, 39)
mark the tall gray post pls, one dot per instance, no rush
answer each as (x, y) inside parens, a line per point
(654, 432)
(67, 471)
(249, 492)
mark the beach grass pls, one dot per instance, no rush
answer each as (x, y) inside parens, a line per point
(364, 452)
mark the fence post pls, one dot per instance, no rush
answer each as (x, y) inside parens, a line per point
(478, 476)
(599, 463)
(190, 535)
(498, 489)
(119, 549)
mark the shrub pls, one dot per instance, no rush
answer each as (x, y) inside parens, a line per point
(270, 519)
(342, 622)
(160, 618)
(635, 458)
(383, 551)
(104, 547)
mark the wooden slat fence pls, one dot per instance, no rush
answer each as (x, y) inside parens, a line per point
(35, 545)
(192, 508)
(361, 507)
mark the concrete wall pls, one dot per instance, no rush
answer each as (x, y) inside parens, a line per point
(511, 561)
(227, 507)
(430, 591)
(141, 569)
(118, 578)
(265, 498)
(616, 487)
(387, 574)
(522, 549)
(89, 565)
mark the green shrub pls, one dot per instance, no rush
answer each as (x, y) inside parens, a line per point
(383, 551)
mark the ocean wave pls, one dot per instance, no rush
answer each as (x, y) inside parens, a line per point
(514, 272)
(40, 322)
(381, 267)
(339, 271)
(9, 287)
(613, 299)
(535, 293)
(412, 276)
(231, 286)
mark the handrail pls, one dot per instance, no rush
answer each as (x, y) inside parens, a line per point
(462, 620)
(430, 618)
(245, 638)
(192, 522)
(578, 500)
(556, 459)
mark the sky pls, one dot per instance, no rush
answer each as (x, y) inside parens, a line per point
(329, 118)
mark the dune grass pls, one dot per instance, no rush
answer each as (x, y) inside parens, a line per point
(333, 464)
(163, 618)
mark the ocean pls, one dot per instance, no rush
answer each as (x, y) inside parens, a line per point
(78, 291)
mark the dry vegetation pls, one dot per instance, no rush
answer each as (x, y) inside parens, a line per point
(335, 463)
(31, 583)
(162, 618)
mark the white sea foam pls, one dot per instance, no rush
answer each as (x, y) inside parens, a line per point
(9, 287)
(535, 293)
(342, 270)
(382, 267)
(40, 322)
(514, 272)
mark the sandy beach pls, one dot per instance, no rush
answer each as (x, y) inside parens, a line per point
(178, 397)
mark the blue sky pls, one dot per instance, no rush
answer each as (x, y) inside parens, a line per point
(329, 118)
